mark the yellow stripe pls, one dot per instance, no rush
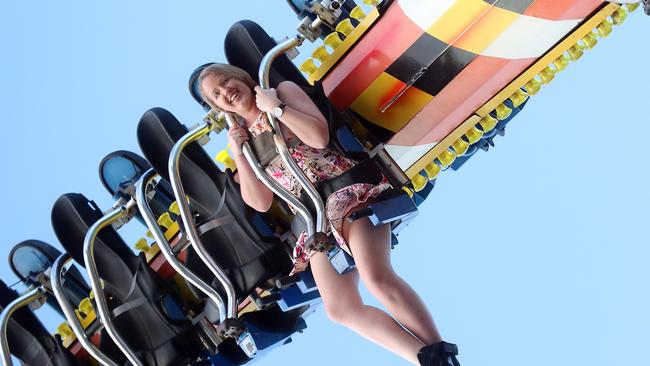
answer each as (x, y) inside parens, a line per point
(343, 48)
(548, 59)
(381, 90)
(472, 25)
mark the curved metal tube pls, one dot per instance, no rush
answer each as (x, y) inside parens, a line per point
(276, 188)
(166, 249)
(278, 137)
(70, 316)
(91, 266)
(188, 220)
(22, 301)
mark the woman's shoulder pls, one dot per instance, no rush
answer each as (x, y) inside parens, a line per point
(290, 90)
(287, 85)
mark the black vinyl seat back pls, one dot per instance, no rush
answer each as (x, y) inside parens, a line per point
(245, 45)
(28, 339)
(140, 304)
(72, 216)
(242, 244)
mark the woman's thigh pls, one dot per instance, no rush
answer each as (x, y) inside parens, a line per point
(339, 292)
(370, 246)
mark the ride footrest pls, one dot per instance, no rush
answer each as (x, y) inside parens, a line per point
(293, 297)
(397, 207)
(304, 280)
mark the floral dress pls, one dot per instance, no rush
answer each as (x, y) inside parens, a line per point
(319, 165)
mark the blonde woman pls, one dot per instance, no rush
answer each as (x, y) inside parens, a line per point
(410, 332)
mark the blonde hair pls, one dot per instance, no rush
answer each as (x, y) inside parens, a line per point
(226, 70)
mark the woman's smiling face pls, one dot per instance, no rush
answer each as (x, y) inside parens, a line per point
(227, 93)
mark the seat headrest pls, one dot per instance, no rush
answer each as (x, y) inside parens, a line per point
(31, 255)
(245, 45)
(72, 216)
(158, 131)
(193, 85)
(121, 167)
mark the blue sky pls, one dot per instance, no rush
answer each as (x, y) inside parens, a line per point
(533, 253)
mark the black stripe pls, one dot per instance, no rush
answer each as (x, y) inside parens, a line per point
(431, 62)
(517, 6)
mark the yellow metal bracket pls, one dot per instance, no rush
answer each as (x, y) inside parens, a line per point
(342, 48)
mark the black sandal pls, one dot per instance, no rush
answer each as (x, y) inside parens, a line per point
(439, 354)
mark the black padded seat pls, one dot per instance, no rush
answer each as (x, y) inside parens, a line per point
(243, 245)
(245, 45)
(28, 339)
(142, 312)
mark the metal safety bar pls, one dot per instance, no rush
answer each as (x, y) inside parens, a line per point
(271, 183)
(278, 137)
(166, 249)
(70, 316)
(89, 258)
(188, 221)
(22, 301)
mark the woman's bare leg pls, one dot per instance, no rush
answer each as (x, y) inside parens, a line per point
(343, 305)
(371, 248)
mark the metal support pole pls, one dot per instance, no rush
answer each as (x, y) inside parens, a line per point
(70, 316)
(91, 266)
(278, 137)
(188, 220)
(276, 188)
(166, 249)
(22, 301)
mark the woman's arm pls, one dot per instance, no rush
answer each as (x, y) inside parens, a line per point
(253, 191)
(300, 115)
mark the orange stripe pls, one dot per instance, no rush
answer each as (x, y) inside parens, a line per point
(460, 16)
(562, 9)
(486, 29)
(393, 34)
(369, 103)
(479, 81)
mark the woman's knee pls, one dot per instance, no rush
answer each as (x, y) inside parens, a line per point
(341, 310)
(382, 283)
